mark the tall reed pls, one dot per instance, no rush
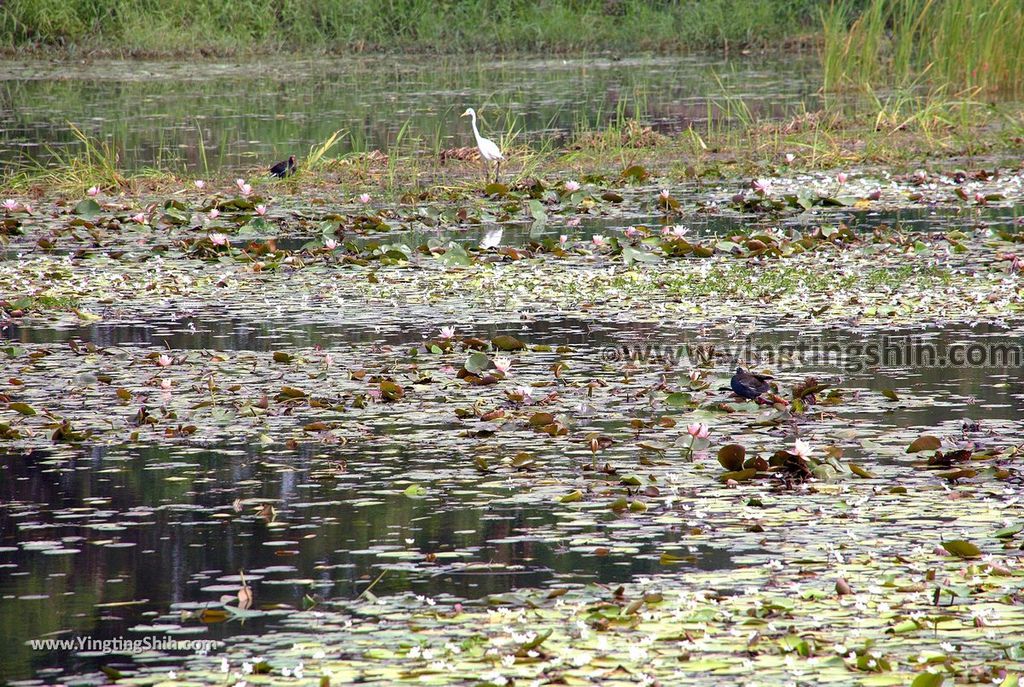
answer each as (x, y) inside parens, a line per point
(959, 43)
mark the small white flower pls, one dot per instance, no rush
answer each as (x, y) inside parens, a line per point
(581, 659)
(803, 449)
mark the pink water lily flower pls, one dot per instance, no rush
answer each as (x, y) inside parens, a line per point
(364, 198)
(665, 194)
(562, 240)
(214, 213)
(632, 232)
(246, 190)
(572, 222)
(598, 241)
(572, 186)
(200, 184)
(698, 430)
(11, 205)
(330, 244)
(841, 177)
(164, 360)
(802, 448)
(140, 218)
(93, 191)
(789, 158)
(447, 332)
(502, 363)
(261, 210)
(762, 186)
(218, 239)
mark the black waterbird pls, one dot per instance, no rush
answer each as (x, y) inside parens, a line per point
(749, 385)
(283, 168)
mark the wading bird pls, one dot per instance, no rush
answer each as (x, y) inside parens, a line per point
(284, 168)
(488, 149)
(749, 385)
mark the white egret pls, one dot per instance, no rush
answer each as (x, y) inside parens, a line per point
(488, 148)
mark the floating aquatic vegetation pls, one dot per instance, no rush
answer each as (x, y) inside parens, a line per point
(363, 399)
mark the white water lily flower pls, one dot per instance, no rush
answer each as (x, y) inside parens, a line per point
(803, 449)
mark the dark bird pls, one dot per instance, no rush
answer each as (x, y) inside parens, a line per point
(749, 385)
(283, 168)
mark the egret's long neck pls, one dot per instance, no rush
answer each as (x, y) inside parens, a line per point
(476, 132)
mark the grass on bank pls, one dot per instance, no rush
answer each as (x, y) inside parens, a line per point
(489, 26)
(899, 130)
(965, 43)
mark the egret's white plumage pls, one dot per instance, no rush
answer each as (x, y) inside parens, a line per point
(488, 149)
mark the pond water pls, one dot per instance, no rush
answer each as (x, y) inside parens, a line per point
(164, 528)
(211, 115)
(129, 539)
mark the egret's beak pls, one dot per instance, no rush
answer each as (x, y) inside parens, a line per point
(465, 114)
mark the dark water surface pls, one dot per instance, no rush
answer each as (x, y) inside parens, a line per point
(169, 527)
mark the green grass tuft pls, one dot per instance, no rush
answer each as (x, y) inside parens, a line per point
(963, 44)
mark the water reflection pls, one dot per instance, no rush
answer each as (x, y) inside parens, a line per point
(170, 527)
(210, 115)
